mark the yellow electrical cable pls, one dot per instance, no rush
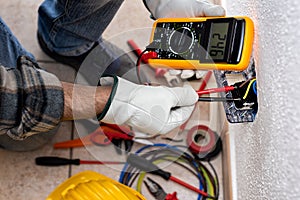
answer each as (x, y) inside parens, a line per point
(143, 174)
(209, 183)
(248, 88)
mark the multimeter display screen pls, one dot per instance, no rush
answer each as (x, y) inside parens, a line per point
(213, 40)
(180, 40)
(217, 40)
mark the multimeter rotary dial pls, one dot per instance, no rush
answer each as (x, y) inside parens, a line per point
(181, 40)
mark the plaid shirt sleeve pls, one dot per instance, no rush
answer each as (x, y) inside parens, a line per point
(31, 100)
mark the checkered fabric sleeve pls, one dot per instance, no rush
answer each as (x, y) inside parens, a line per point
(31, 100)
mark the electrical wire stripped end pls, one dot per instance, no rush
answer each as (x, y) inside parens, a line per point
(247, 92)
(244, 94)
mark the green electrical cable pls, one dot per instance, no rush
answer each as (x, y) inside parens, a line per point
(208, 180)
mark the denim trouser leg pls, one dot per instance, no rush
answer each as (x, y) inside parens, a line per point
(10, 50)
(70, 27)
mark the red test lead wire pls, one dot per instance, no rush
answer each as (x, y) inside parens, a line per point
(137, 51)
(205, 81)
(216, 90)
(145, 57)
(188, 186)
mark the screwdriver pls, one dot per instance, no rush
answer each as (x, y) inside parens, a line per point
(147, 166)
(58, 161)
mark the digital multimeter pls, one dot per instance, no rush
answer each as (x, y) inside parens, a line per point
(222, 43)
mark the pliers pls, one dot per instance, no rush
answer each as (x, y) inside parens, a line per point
(104, 135)
(157, 191)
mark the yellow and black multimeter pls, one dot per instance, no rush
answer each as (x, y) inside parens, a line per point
(220, 43)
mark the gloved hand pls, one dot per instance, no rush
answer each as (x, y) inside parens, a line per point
(184, 9)
(149, 109)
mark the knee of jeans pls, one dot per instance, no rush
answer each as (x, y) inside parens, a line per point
(31, 143)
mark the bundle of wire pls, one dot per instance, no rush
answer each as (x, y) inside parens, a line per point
(158, 153)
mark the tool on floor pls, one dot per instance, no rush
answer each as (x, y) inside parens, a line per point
(222, 43)
(168, 155)
(94, 186)
(105, 135)
(147, 166)
(59, 161)
(203, 142)
(157, 191)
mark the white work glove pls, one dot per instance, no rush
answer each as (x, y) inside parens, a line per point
(148, 109)
(184, 9)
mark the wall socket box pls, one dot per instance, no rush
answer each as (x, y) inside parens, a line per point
(236, 113)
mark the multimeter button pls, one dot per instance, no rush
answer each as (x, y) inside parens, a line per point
(174, 72)
(200, 73)
(187, 74)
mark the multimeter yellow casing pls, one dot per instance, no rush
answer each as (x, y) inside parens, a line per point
(218, 43)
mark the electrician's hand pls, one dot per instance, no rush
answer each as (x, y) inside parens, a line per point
(184, 9)
(148, 109)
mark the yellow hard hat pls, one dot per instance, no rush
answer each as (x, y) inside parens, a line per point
(89, 185)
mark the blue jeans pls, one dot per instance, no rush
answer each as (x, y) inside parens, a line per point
(71, 27)
(10, 48)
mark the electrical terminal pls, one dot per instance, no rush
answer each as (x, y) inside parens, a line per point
(246, 92)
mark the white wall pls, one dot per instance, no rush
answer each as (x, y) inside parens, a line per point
(267, 152)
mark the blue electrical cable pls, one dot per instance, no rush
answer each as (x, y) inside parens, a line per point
(254, 87)
(167, 146)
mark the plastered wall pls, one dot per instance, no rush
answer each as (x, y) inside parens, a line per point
(266, 153)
